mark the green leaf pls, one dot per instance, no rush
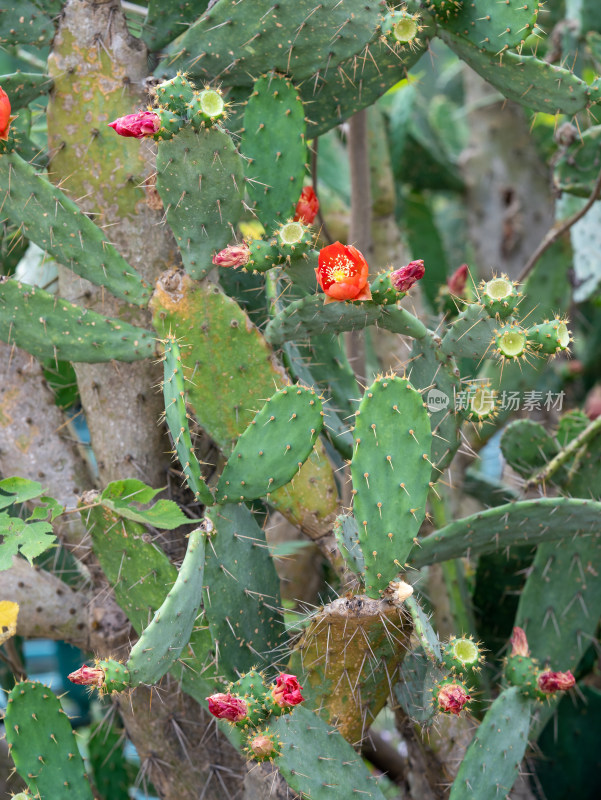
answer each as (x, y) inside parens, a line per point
(29, 539)
(119, 496)
(19, 490)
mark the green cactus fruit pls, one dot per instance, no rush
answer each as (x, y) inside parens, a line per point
(511, 341)
(176, 417)
(522, 671)
(264, 254)
(116, 676)
(481, 402)
(205, 108)
(262, 745)
(171, 123)
(400, 26)
(49, 327)
(293, 239)
(67, 234)
(175, 94)
(499, 296)
(391, 476)
(492, 761)
(42, 744)
(273, 141)
(382, 291)
(200, 181)
(550, 337)
(251, 688)
(462, 655)
(274, 446)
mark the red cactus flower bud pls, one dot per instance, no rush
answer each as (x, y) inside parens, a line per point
(287, 691)
(138, 126)
(227, 706)
(342, 273)
(458, 280)
(235, 255)
(88, 676)
(452, 697)
(550, 682)
(307, 206)
(403, 279)
(519, 643)
(5, 116)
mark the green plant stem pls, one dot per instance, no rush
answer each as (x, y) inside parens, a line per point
(564, 455)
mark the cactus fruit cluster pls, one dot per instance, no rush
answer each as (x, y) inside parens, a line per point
(312, 377)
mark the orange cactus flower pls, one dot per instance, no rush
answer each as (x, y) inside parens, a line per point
(5, 116)
(342, 273)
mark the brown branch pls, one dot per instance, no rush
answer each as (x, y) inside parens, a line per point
(50, 609)
(558, 230)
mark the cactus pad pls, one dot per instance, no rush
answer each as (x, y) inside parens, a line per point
(200, 180)
(42, 743)
(274, 446)
(391, 473)
(273, 141)
(49, 327)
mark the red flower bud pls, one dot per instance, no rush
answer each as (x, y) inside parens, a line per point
(227, 706)
(287, 691)
(550, 682)
(307, 207)
(235, 255)
(403, 279)
(88, 676)
(342, 273)
(452, 697)
(138, 126)
(458, 281)
(5, 117)
(519, 643)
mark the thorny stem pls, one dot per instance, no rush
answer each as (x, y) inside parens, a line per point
(557, 231)
(564, 455)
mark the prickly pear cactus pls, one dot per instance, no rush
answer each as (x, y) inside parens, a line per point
(269, 298)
